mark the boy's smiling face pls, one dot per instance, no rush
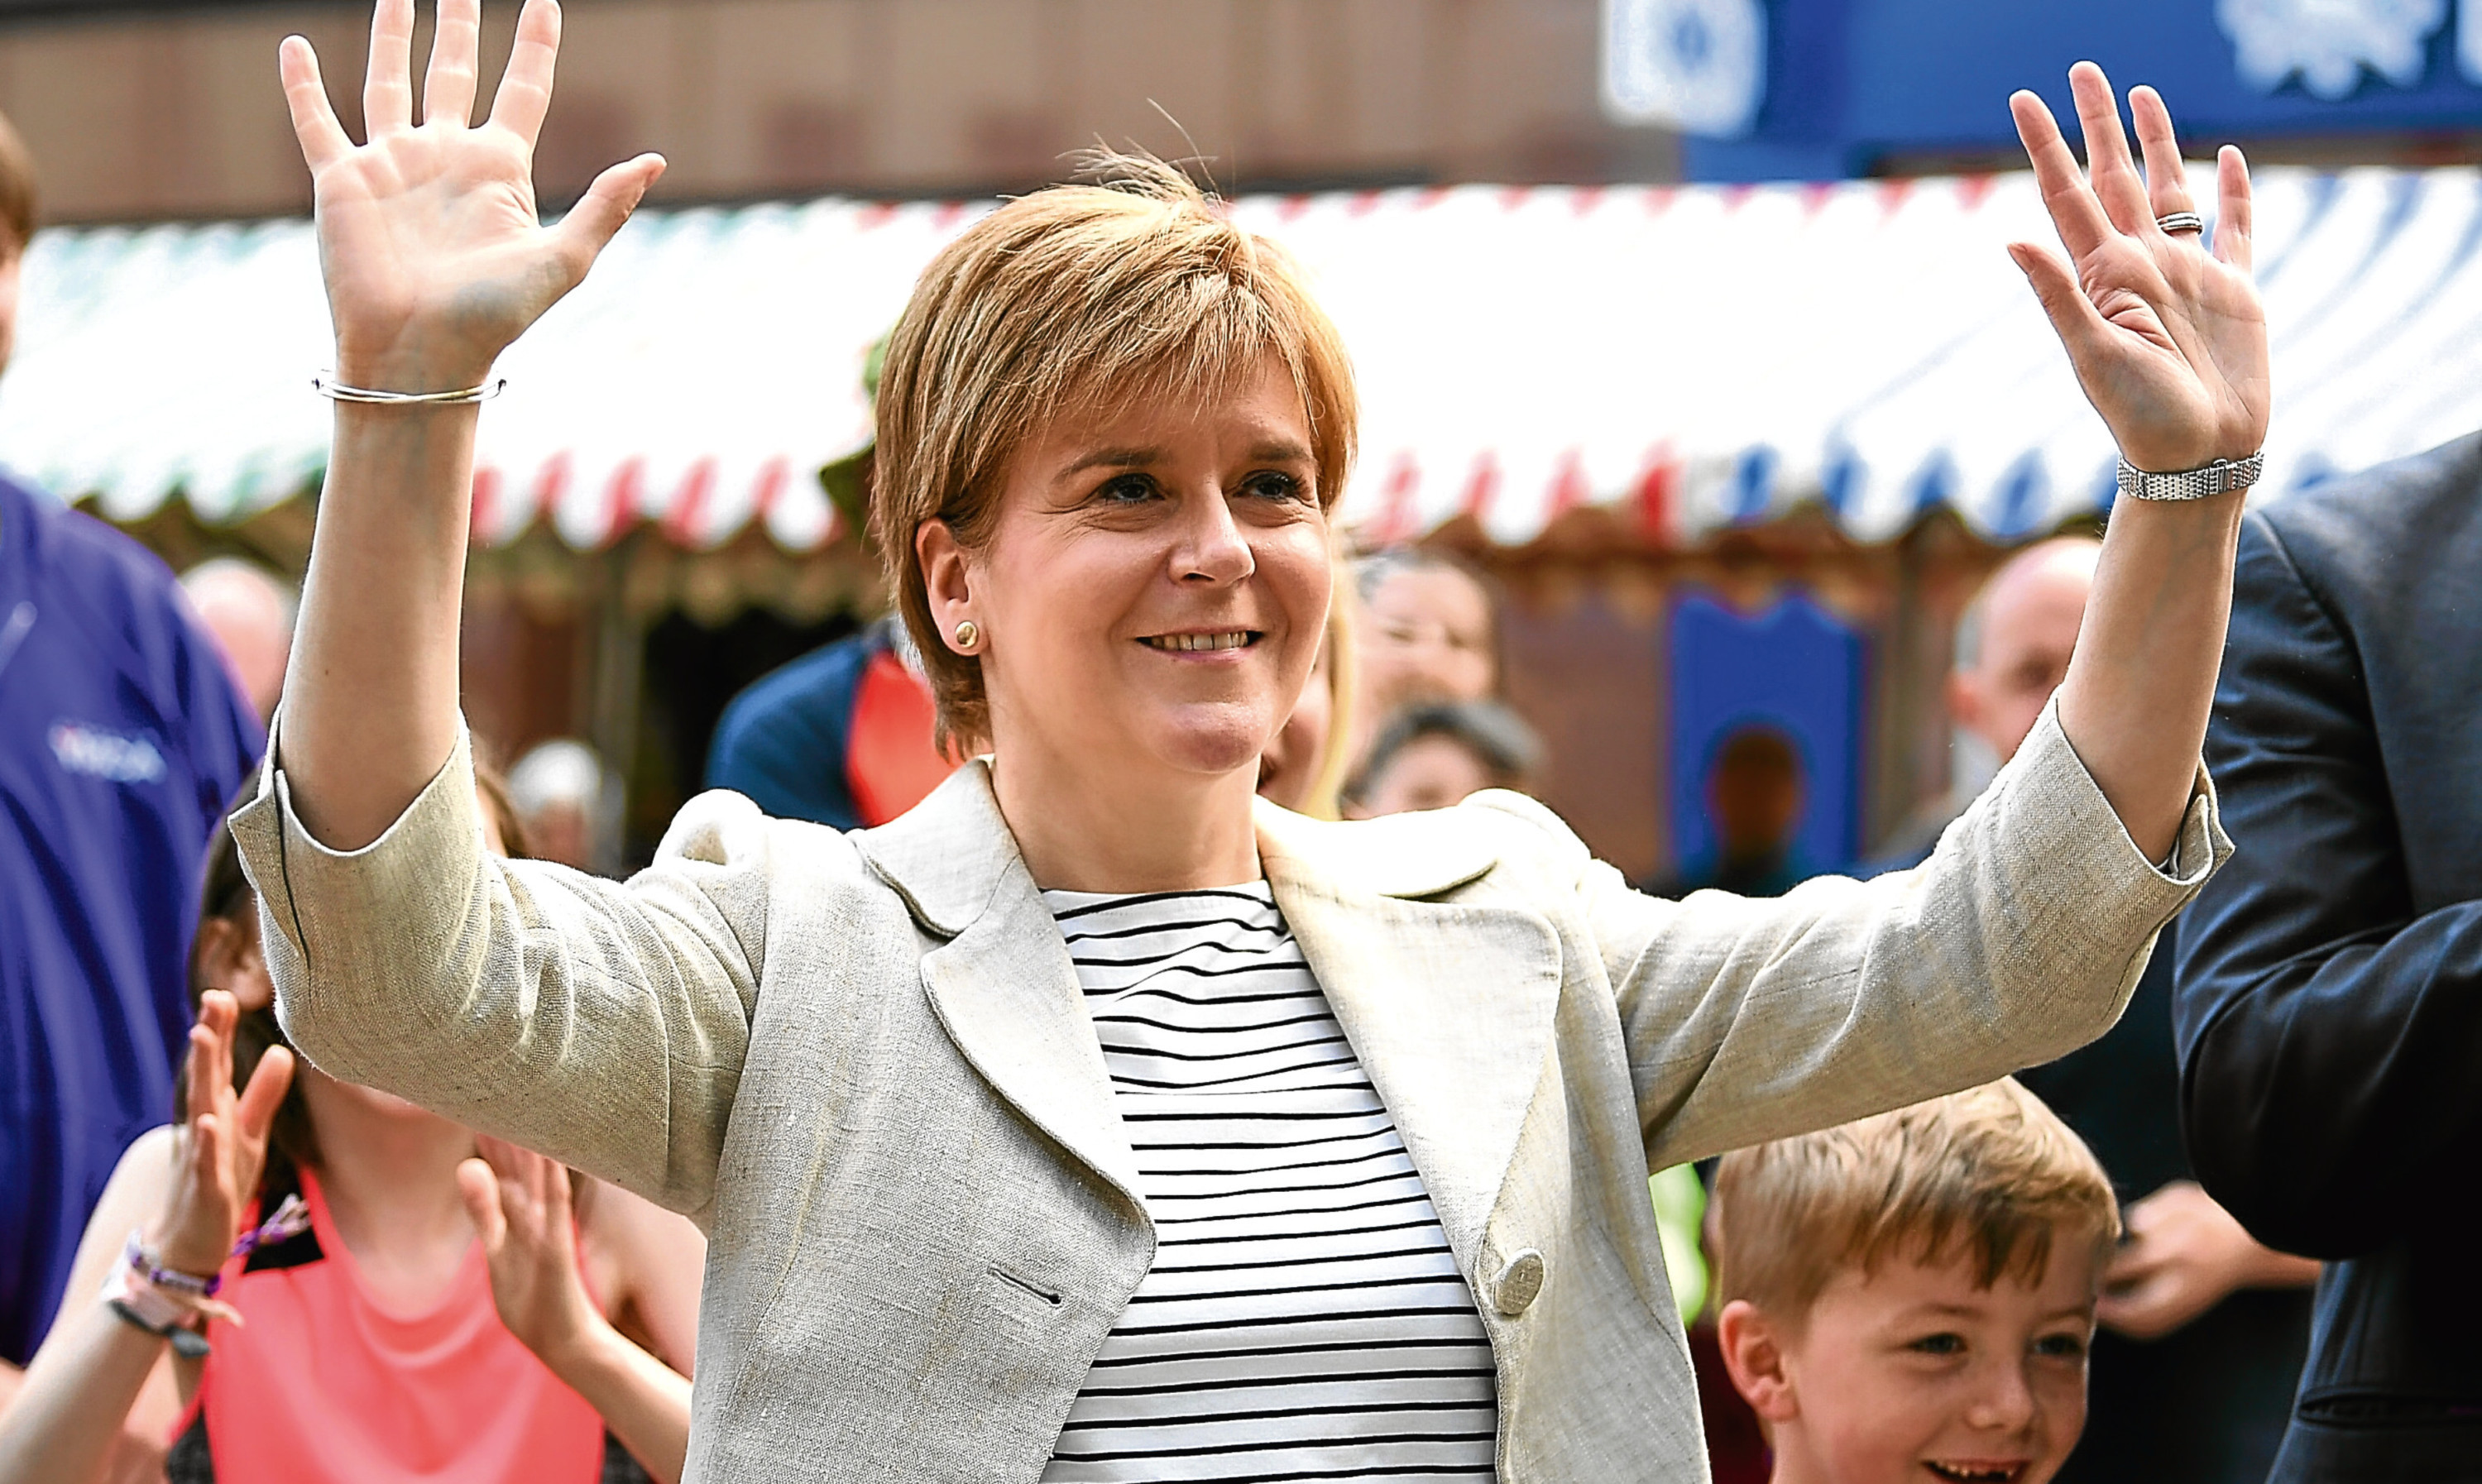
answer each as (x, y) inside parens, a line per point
(1913, 1375)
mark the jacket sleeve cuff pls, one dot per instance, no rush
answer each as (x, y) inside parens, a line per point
(332, 906)
(2047, 769)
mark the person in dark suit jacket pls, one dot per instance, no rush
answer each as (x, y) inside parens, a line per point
(2328, 995)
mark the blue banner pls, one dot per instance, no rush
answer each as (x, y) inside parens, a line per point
(1847, 84)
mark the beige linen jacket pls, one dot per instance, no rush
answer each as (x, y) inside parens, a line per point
(862, 1064)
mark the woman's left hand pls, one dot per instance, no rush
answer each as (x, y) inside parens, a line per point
(521, 1205)
(2168, 338)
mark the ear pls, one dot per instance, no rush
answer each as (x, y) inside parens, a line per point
(1753, 1353)
(229, 960)
(1965, 700)
(947, 578)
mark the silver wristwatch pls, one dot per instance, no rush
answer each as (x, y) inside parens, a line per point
(2220, 477)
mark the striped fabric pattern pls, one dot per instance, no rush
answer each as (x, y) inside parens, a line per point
(1304, 1318)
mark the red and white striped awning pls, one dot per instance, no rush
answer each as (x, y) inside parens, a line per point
(1692, 358)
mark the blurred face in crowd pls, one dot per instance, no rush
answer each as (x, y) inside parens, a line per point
(1155, 588)
(252, 625)
(1427, 638)
(1755, 797)
(2031, 610)
(562, 832)
(1427, 772)
(1912, 1373)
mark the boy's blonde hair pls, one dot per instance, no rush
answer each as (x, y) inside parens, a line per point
(1134, 287)
(1989, 1173)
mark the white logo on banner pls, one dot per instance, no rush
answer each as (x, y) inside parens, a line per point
(1696, 65)
(2328, 42)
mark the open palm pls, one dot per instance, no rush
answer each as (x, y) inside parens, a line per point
(434, 256)
(221, 1148)
(2169, 339)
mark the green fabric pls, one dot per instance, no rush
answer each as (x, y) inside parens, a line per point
(1679, 1212)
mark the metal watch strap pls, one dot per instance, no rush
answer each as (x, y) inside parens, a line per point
(2220, 477)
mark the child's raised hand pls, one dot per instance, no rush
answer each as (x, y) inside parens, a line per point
(223, 1148)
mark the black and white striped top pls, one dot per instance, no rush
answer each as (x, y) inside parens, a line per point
(1304, 1318)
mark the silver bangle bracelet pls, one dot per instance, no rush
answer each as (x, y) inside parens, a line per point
(326, 386)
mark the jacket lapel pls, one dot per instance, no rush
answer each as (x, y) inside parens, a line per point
(1002, 986)
(1449, 1005)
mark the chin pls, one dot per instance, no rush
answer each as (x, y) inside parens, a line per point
(1215, 739)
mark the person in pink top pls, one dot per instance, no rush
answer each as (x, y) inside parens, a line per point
(312, 1282)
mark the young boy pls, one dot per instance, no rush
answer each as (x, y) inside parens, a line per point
(1909, 1297)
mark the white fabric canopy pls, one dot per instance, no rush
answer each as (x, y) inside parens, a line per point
(1698, 356)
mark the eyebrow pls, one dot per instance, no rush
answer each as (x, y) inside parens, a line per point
(1960, 1311)
(1967, 1312)
(1111, 459)
(1271, 451)
(1279, 451)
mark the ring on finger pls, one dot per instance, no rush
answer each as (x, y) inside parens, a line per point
(2177, 221)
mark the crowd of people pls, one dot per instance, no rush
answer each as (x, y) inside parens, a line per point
(1121, 1016)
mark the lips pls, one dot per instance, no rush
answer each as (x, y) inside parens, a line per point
(1189, 643)
(1975, 1471)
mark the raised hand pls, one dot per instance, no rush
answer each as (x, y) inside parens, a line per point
(2168, 338)
(428, 235)
(220, 1151)
(522, 1206)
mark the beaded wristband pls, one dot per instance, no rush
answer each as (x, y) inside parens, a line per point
(292, 1218)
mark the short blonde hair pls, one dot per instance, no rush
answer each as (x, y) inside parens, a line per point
(1134, 286)
(1989, 1173)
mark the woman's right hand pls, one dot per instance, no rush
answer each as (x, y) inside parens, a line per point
(434, 256)
(218, 1154)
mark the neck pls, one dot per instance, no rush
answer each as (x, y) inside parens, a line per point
(1082, 828)
(389, 1172)
(1792, 1460)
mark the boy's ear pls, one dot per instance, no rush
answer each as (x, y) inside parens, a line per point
(1753, 1353)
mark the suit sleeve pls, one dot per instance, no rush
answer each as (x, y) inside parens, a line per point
(2331, 1037)
(604, 1024)
(2018, 940)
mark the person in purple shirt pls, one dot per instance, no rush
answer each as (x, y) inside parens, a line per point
(121, 741)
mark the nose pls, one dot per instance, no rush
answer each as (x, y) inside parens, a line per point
(2003, 1401)
(1211, 548)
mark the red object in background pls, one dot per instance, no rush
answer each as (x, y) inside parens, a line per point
(1736, 1449)
(889, 760)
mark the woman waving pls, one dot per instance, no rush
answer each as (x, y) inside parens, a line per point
(1093, 1121)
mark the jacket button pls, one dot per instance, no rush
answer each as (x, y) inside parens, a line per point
(1513, 1292)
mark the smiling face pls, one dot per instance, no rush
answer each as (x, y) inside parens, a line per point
(1914, 1375)
(1149, 599)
